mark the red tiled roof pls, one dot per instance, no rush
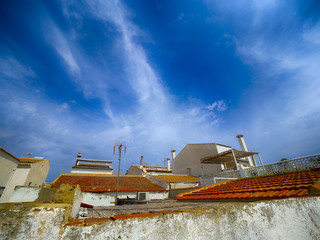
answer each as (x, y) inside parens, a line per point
(107, 183)
(268, 187)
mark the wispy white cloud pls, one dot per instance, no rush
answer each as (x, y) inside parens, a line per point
(218, 105)
(152, 122)
(61, 45)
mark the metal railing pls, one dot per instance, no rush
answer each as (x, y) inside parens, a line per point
(272, 168)
(284, 166)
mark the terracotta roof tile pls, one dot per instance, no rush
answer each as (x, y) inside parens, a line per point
(268, 187)
(107, 183)
(91, 221)
(137, 215)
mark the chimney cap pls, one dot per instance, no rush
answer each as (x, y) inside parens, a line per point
(173, 150)
(239, 136)
(168, 158)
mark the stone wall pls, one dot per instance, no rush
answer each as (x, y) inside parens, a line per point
(295, 218)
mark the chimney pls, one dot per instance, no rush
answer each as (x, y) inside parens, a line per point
(173, 154)
(79, 155)
(244, 147)
(168, 164)
(141, 161)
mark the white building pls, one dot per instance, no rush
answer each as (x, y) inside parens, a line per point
(20, 172)
(92, 166)
(203, 159)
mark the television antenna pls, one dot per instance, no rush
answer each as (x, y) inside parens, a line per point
(119, 149)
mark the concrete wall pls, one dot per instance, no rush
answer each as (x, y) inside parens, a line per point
(7, 163)
(31, 194)
(98, 199)
(135, 170)
(286, 219)
(38, 173)
(190, 157)
(152, 195)
(159, 182)
(25, 194)
(18, 178)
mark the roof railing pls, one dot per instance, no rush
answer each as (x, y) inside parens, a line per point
(290, 165)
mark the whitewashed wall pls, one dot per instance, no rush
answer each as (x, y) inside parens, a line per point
(287, 219)
(98, 199)
(25, 194)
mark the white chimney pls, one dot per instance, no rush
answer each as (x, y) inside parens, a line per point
(173, 154)
(244, 147)
(141, 161)
(168, 164)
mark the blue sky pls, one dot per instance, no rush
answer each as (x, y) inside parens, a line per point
(79, 75)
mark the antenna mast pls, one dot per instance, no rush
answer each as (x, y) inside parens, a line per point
(119, 148)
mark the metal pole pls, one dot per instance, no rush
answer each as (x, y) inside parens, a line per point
(118, 175)
(260, 159)
(235, 160)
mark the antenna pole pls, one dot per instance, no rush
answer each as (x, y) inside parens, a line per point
(120, 150)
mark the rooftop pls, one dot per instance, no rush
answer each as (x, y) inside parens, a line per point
(296, 184)
(176, 178)
(107, 183)
(92, 164)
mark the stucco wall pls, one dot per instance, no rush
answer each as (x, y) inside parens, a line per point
(7, 164)
(135, 170)
(98, 199)
(152, 195)
(18, 178)
(38, 173)
(26, 222)
(292, 219)
(25, 194)
(190, 157)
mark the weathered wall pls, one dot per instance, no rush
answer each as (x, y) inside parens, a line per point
(45, 221)
(278, 219)
(38, 173)
(69, 194)
(98, 199)
(25, 194)
(31, 194)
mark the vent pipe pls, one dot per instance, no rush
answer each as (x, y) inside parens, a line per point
(141, 161)
(168, 164)
(173, 154)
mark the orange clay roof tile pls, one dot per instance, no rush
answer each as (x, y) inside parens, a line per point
(107, 183)
(297, 184)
